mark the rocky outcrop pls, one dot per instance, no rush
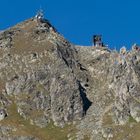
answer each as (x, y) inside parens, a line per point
(48, 83)
(114, 91)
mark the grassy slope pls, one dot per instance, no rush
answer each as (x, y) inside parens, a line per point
(25, 128)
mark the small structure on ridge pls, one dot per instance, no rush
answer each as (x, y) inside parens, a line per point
(97, 41)
(39, 16)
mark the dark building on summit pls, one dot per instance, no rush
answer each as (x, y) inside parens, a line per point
(97, 41)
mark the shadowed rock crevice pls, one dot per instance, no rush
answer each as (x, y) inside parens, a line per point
(86, 102)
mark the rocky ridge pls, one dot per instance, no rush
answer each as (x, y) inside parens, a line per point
(53, 89)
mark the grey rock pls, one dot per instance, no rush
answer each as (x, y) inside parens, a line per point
(48, 79)
(3, 114)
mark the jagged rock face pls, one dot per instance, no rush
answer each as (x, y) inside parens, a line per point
(42, 81)
(113, 91)
(126, 88)
(49, 86)
(37, 75)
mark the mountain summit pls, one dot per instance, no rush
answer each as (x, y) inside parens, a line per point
(52, 89)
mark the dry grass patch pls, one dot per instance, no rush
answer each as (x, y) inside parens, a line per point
(24, 128)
